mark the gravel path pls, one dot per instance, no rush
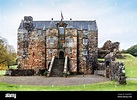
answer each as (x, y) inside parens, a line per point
(49, 81)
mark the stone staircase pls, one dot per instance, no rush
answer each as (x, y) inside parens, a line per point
(57, 69)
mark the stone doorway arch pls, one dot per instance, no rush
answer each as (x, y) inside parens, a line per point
(61, 55)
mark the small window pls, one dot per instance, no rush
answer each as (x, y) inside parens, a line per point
(85, 41)
(39, 31)
(70, 40)
(70, 51)
(84, 52)
(85, 32)
(51, 40)
(61, 30)
(23, 52)
(51, 51)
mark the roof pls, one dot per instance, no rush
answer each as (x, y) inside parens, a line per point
(79, 25)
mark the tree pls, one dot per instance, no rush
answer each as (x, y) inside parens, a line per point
(11, 60)
(3, 51)
(132, 50)
(7, 53)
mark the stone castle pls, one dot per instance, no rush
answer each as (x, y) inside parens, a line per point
(59, 48)
(58, 45)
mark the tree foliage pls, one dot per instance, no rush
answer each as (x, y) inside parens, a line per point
(132, 50)
(7, 53)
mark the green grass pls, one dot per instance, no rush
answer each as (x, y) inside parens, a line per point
(104, 86)
(130, 65)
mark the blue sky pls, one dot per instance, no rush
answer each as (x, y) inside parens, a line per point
(116, 19)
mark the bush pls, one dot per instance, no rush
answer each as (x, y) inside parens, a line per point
(45, 73)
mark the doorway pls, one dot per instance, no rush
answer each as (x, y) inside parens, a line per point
(61, 55)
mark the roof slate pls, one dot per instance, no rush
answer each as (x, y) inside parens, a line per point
(79, 25)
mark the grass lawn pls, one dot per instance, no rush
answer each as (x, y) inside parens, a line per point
(104, 86)
(130, 65)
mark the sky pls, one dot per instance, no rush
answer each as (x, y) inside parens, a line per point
(116, 19)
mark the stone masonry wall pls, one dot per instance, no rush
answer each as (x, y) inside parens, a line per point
(87, 62)
(71, 33)
(34, 56)
(51, 33)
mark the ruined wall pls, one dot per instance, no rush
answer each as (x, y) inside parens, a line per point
(108, 47)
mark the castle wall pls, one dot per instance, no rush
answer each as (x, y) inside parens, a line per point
(31, 51)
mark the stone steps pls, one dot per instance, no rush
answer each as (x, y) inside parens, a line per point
(57, 69)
